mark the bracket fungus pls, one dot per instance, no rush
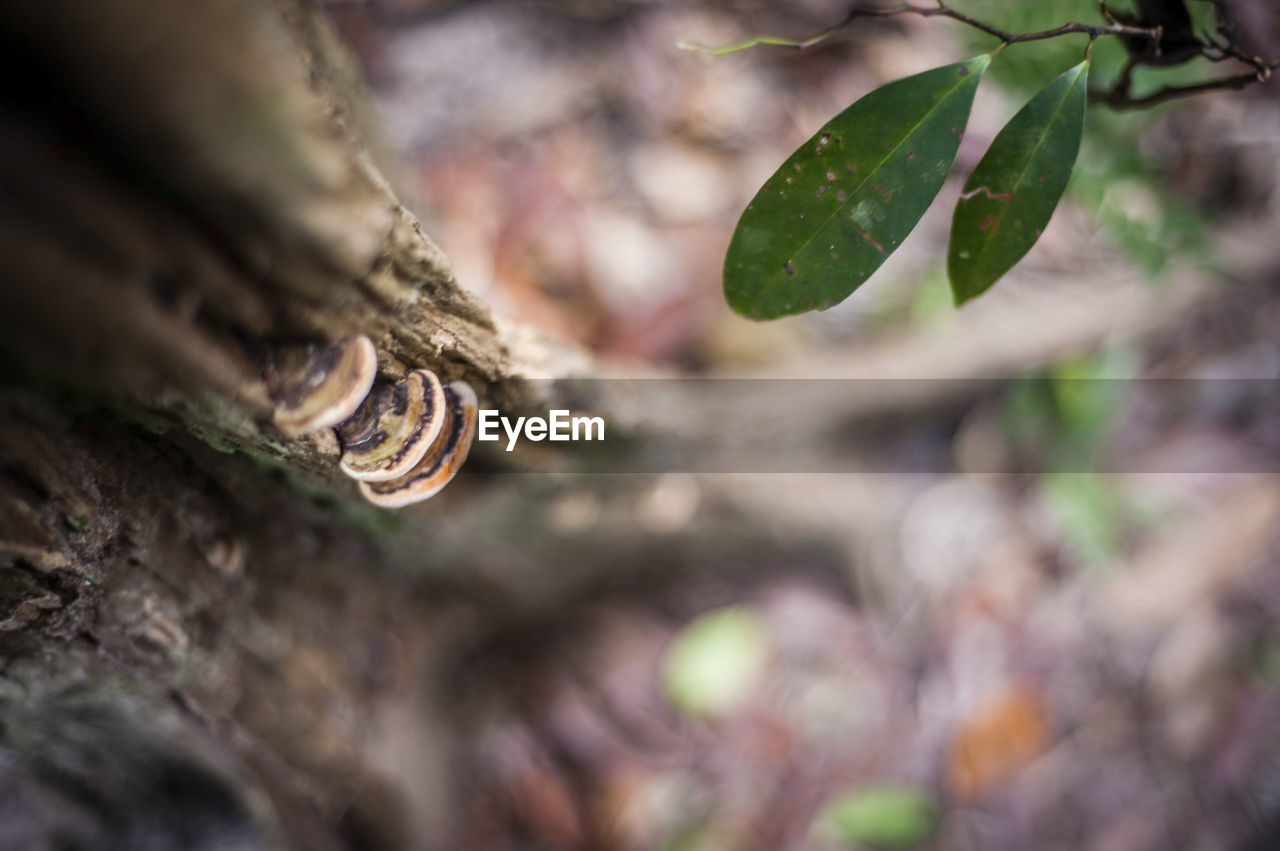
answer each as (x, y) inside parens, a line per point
(393, 428)
(319, 387)
(441, 462)
(401, 442)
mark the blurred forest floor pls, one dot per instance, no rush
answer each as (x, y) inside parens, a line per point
(985, 650)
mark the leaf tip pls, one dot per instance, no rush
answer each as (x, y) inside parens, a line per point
(965, 287)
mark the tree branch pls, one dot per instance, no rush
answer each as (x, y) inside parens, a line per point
(1221, 48)
(941, 10)
(1118, 97)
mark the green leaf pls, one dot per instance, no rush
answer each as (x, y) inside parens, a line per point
(846, 199)
(715, 661)
(1010, 196)
(880, 817)
(1092, 513)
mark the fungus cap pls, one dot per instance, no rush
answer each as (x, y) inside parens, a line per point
(394, 428)
(441, 462)
(319, 387)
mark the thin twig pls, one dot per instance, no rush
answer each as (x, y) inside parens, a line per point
(1093, 31)
(941, 10)
(1216, 49)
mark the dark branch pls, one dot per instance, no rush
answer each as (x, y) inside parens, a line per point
(1120, 98)
(941, 10)
(1069, 28)
(1144, 44)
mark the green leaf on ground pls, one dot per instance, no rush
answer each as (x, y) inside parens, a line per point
(1012, 193)
(1091, 512)
(845, 200)
(715, 661)
(888, 817)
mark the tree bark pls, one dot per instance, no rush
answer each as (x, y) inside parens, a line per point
(188, 188)
(192, 653)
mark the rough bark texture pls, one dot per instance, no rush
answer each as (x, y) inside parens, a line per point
(191, 656)
(185, 188)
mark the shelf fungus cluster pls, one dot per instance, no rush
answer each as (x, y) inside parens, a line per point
(402, 441)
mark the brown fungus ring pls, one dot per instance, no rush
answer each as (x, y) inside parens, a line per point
(319, 387)
(394, 428)
(441, 462)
